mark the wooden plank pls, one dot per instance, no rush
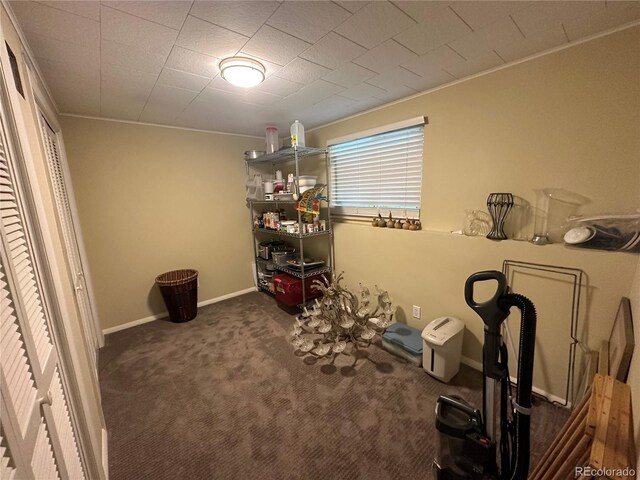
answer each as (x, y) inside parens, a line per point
(576, 457)
(594, 404)
(573, 439)
(571, 424)
(632, 437)
(603, 358)
(620, 458)
(592, 370)
(596, 459)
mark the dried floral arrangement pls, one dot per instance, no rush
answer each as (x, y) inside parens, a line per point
(340, 318)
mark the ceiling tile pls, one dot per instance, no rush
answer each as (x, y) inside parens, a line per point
(475, 65)
(490, 37)
(168, 13)
(118, 81)
(256, 97)
(366, 104)
(87, 54)
(83, 100)
(222, 99)
(320, 90)
(292, 105)
(279, 86)
(539, 16)
(615, 13)
(374, 23)
(385, 56)
(180, 79)
(332, 51)
(396, 94)
(478, 14)
(430, 34)
(127, 56)
(239, 16)
(193, 62)
(326, 110)
(203, 114)
(302, 71)
(432, 80)
(532, 44)
(167, 96)
(275, 46)
(160, 114)
(87, 9)
(310, 20)
(57, 24)
(56, 71)
(421, 11)
(165, 104)
(352, 5)
(349, 75)
(434, 61)
(209, 39)
(77, 93)
(309, 95)
(334, 104)
(362, 91)
(129, 30)
(393, 78)
(120, 106)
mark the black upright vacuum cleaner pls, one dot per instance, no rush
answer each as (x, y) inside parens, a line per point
(467, 438)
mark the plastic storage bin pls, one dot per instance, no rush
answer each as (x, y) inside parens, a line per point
(289, 289)
(442, 347)
(179, 290)
(404, 341)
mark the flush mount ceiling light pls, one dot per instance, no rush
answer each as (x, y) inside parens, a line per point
(242, 72)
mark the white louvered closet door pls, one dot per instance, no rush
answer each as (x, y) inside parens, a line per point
(38, 439)
(58, 180)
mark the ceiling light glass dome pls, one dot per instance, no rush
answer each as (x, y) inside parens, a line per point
(242, 72)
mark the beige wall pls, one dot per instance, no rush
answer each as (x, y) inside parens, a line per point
(70, 326)
(153, 199)
(570, 120)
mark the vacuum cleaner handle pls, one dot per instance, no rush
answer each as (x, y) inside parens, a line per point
(493, 312)
(489, 309)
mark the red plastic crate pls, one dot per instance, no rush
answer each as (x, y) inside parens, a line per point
(289, 288)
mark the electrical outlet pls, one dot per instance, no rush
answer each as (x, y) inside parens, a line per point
(416, 311)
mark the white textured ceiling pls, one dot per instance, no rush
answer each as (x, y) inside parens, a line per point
(157, 61)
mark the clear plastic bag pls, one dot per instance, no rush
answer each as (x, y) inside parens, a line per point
(605, 232)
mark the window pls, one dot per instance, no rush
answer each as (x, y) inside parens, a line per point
(378, 171)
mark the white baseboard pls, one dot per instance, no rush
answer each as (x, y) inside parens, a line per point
(158, 316)
(471, 363)
(225, 297)
(552, 398)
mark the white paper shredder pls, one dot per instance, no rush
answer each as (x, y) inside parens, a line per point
(442, 347)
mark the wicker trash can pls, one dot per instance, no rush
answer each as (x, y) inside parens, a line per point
(179, 290)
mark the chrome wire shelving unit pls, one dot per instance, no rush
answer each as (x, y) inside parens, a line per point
(273, 160)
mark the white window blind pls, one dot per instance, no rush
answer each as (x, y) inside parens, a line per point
(378, 173)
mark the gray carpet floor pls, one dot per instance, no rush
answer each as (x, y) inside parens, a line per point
(225, 397)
